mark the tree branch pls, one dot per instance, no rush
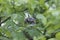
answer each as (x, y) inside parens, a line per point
(5, 20)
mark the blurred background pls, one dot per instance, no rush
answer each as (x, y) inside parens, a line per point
(29, 19)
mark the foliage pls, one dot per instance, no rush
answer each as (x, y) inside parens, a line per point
(46, 14)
